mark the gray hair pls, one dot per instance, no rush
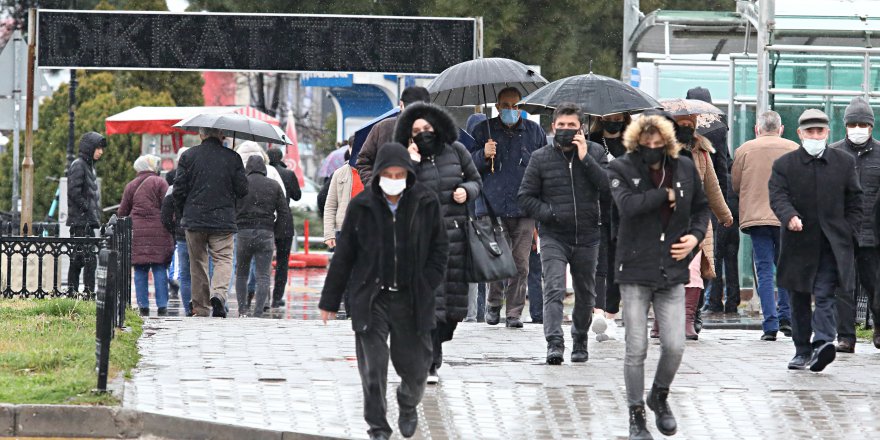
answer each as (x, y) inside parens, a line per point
(211, 132)
(768, 122)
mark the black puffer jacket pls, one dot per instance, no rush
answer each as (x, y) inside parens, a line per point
(82, 184)
(291, 186)
(443, 173)
(264, 206)
(379, 249)
(643, 246)
(868, 169)
(210, 178)
(562, 192)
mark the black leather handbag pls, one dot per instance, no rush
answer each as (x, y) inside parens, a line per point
(489, 257)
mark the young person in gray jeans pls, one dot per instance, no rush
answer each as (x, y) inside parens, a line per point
(259, 214)
(663, 216)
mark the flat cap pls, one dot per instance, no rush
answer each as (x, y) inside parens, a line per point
(812, 118)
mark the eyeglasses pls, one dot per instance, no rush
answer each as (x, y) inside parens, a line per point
(858, 124)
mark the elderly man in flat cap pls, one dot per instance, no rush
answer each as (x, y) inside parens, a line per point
(859, 120)
(815, 194)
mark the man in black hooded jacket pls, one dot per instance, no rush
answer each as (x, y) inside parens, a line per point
(392, 251)
(284, 236)
(83, 211)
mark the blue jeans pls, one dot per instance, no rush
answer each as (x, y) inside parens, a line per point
(142, 280)
(765, 246)
(181, 260)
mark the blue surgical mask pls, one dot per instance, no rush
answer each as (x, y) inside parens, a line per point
(509, 116)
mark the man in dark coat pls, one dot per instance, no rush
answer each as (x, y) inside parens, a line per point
(444, 167)
(210, 178)
(859, 120)
(283, 237)
(83, 211)
(383, 132)
(815, 193)
(663, 216)
(502, 149)
(392, 251)
(258, 214)
(561, 189)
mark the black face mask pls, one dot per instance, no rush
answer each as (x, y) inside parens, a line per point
(652, 156)
(612, 127)
(564, 137)
(685, 135)
(427, 143)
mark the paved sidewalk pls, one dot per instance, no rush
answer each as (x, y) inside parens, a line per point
(301, 376)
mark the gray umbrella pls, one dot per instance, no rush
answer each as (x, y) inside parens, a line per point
(597, 95)
(236, 126)
(478, 81)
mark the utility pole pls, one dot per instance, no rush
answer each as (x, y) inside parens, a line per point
(27, 167)
(71, 113)
(766, 24)
(631, 18)
(16, 118)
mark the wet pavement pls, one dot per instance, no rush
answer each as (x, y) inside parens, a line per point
(297, 375)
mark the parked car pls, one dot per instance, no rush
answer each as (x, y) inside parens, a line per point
(309, 199)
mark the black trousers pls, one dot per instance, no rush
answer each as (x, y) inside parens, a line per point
(282, 255)
(819, 323)
(607, 291)
(726, 269)
(867, 260)
(85, 262)
(392, 315)
(439, 335)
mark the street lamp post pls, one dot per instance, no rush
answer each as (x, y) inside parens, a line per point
(27, 166)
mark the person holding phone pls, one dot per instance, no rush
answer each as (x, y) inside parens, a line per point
(561, 189)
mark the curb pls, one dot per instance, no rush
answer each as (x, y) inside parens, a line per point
(121, 423)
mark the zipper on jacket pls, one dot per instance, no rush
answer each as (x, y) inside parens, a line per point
(394, 233)
(574, 198)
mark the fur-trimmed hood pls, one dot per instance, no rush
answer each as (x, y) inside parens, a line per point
(664, 127)
(444, 126)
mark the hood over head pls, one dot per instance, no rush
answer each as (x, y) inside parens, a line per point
(859, 111)
(147, 162)
(251, 148)
(393, 154)
(255, 164)
(90, 142)
(652, 122)
(275, 157)
(699, 93)
(444, 127)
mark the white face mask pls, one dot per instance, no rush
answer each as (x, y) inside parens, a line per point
(392, 187)
(858, 135)
(814, 147)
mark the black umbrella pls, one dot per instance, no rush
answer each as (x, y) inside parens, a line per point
(478, 82)
(597, 95)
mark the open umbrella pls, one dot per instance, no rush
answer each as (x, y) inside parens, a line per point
(597, 95)
(477, 82)
(237, 127)
(360, 136)
(709, 117)
(332, 162)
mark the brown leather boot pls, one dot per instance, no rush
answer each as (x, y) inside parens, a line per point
(691, 298)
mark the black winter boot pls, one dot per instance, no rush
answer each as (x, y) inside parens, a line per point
(662, 414)
(579, 352)
(555, 351)
(637, 428)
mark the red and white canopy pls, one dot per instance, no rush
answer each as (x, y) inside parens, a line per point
(161, 120)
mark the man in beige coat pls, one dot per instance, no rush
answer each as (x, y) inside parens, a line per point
(752, 166)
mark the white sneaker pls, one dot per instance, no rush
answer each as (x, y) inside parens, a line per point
(433, 377)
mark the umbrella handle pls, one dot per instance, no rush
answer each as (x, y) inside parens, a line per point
(492, 160)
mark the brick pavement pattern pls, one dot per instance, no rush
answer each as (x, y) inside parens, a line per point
(301, 376)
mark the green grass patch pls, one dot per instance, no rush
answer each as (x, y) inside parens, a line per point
(864, 333)
(47, 352)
